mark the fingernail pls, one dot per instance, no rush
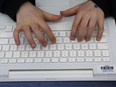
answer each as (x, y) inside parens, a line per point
(54, 41)
(87, 39)
(17, 43)
(33, 45)
(72, 38)
(80, 39)
(98, 39)
(45, 44)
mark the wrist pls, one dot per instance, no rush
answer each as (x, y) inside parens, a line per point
(24, 7)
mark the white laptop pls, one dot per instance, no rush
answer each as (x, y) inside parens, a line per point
(64, 61)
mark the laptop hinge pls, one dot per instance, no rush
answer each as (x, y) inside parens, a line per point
(51, 74)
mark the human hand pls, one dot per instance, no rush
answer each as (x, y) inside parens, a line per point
(88, 15)
(32, 19)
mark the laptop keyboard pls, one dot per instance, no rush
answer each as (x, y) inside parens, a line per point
(64, 51)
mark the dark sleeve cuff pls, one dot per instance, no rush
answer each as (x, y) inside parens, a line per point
(104, 5)
(11, 7)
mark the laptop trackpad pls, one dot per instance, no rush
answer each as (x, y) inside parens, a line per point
(51, 74)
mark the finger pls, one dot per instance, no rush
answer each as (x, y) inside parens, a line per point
(75, 25)
(16, 36)
(82, 31)
(51, 17)
(100, 28)
(47, 30)
(28, 35)
(70, 11)
(91, 27)
(37, 32)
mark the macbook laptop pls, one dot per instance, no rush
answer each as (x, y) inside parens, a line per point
(64, 61)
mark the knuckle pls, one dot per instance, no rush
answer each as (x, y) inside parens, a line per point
(47, 30)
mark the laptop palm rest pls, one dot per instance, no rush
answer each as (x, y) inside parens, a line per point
(50, 74)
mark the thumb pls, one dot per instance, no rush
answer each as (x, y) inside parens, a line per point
(51, 17)
(70, 12)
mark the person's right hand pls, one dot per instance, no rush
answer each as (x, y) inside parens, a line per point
(32, 19)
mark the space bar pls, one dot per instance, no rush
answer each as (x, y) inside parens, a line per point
(51, 74)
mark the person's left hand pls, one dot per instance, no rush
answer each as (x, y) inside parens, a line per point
(88, 15)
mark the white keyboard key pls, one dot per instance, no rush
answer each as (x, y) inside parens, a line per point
(3, 61)
(32, 54)
(65, 54)
(76, 46)
(26, 41)
(68, 46)
(29, 60)
(46, 60)
(92, 40)
(89, 59)
(21, 40)
(105, 33)
(106, 59)
(16, 54)
(52, 46)
(68, 33)
(63, 60)
(40, 54)
(105, 53)
(33, 35)
(9, 29)
(6, 35)
(89, 53)
(56, 54)
(66, 40)
(92, 46)
(13, 47)
(74, 41)
(80, 59)
(102, 46)
(48, 54)
(28, 48)
(98, 59)
(59, 40)
(12, 61)
(97, 53)
(72, 60)
(3, 41)
(56, 34)
(37, 48)
(81, 53)
(104, 40)
(5, 47)
(36, 40)
(2, 54)
(62, 33)
(84, 46)
(24, 54)
(21, 47)
(72, 53)
(37, 60)
(11, 41)
(8, 54)
(60, 46)
(94, 33)
(20, 60)
(45, 48)
(54, 60)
